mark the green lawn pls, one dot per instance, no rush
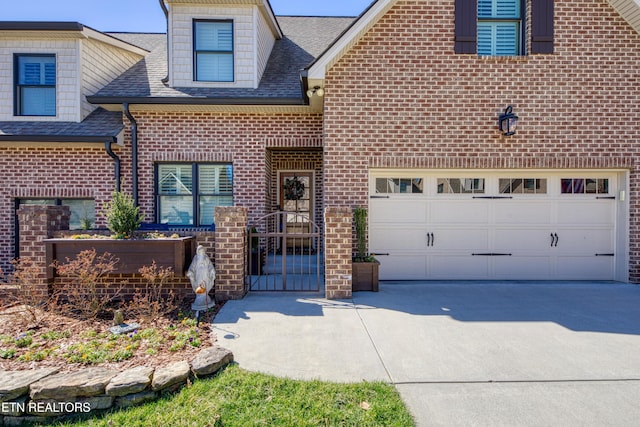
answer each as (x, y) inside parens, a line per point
(240, 398)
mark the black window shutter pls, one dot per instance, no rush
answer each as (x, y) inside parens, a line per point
(542, 26)
(466, 26)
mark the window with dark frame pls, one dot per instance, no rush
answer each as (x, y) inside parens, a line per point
(35, 85)
(499, 27)
(481, 27)
(213, 51)
(187, 193)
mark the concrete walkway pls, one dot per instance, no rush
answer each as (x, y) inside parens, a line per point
(460, 353)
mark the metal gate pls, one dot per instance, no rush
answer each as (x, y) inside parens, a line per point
(284, 254)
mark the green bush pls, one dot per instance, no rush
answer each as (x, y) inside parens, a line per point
(123, 216)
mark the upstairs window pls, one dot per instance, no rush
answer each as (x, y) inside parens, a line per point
(35, 85)
(499, 23)
(213, 51)
(497, 27)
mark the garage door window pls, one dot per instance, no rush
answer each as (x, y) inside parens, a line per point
(460, 185)
(399, 185)
(584, 186)
(523, 186)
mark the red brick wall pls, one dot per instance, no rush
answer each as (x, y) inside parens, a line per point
(51, 171)
(402, 98)
(211, 137)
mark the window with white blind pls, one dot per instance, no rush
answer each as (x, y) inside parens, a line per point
(499, 23)
(213, 51)
(35, 85)
(187, 193)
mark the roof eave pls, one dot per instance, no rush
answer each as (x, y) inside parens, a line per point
(59, 138)
(110, 100)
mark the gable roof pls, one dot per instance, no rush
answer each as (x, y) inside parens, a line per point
(303, 39)
(628, 9)
(46, 30)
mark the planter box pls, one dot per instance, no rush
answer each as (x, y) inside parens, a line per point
(132, 254)
(364, 276)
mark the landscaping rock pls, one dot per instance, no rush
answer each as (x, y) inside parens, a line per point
(97, 402)
(24, 421)
(173, 374)
(16, 383)
(85, 383)
(135, 399)
(131, 381)
(124, 328)
(211, 360)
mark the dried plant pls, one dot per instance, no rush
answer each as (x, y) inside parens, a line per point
(154, 299)
(29, 299)
(87, 292)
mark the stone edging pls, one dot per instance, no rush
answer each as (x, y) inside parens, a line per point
(43, 394)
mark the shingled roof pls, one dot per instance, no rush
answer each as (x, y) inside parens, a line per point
(304, 39)
(100, 126)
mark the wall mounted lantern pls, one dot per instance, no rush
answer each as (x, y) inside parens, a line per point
(316, 90)
(508, 122)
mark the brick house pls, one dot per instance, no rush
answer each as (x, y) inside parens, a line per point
(396, 110)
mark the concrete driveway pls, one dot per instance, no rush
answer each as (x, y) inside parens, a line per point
(460, 353)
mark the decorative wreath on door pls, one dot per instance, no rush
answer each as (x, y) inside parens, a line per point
(293, 189)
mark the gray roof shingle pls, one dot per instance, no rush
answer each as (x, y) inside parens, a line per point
(304, 39)
(100, 126)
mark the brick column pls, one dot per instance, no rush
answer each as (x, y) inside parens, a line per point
(231, 250)
(38, 223)
(337, 252)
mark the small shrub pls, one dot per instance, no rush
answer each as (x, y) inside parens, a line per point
(87, 293)
(123, 216)
(55, 335)
(7, 353)
(35, 355)
(24, 340)
(31, 300)
(153, 300)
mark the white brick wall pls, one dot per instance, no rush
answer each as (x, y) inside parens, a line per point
(244, 27)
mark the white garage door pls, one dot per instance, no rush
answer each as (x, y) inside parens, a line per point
(507, 225)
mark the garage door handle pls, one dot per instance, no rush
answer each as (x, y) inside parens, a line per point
(493, 197)
(554, 239)
(491, 254)
(430, 239)
(605, 254)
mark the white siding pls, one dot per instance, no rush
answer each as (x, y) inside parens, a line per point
(67, 78)
(264, 43)
(82, 68)
(101, 64)
(244, 34)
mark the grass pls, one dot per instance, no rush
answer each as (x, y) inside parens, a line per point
(236, 397)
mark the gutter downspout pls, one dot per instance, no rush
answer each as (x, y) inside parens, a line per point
(166, 15)
(134, 152)
(304, 85)
(116, 162)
